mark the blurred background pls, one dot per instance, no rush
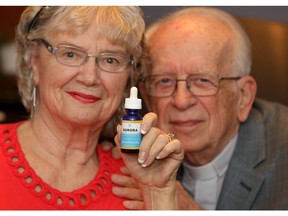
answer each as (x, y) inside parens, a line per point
(267, 27)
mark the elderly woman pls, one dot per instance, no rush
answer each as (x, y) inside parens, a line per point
(74, 65)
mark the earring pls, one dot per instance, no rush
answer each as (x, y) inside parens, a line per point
(33, 98)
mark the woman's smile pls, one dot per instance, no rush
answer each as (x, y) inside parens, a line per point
(83, 98)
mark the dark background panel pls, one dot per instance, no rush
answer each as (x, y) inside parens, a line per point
(267, 27)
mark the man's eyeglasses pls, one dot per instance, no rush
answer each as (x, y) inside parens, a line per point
(198, 84)
(74, 57)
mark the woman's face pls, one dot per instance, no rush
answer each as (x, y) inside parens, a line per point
(84, 94)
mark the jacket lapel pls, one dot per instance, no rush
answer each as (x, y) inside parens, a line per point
(242, 181)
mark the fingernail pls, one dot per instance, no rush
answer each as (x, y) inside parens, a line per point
(143, 128)
(141, 157)
(159, 156)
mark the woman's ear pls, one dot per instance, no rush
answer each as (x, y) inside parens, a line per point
(248, 89)
(33, 63)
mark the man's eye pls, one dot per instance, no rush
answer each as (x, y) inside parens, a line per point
(165, 80)
(203, 80)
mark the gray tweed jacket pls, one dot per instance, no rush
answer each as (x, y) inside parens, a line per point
(257, 176)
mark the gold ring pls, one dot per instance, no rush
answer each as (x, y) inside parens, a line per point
(170, 136)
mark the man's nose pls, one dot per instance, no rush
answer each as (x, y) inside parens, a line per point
(183, 97)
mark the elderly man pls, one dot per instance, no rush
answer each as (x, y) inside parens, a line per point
(196, 79)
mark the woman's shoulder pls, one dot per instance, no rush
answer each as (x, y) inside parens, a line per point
(6, 127)
(9, 139)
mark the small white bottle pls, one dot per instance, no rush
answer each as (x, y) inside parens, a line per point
(131, 124)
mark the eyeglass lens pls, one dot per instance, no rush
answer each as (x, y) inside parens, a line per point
(198, 84)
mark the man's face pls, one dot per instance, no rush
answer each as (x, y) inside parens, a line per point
(204, 124)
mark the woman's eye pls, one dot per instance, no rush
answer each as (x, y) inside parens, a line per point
(65, 53)
(70, 54)
(110, 60)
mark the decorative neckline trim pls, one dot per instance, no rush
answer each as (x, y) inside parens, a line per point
(76, 199)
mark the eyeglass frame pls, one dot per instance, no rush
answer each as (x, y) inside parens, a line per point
(53, 51)
(33, 24)
(219, 78)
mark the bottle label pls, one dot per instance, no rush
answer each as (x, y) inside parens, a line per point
(131, 135)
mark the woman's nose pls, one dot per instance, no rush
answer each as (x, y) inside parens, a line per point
(89, 73)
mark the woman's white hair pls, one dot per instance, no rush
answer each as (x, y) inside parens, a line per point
(123, 25)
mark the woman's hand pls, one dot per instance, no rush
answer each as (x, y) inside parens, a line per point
(126, 187)
(155, 167)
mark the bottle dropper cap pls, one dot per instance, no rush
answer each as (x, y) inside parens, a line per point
(133, 102)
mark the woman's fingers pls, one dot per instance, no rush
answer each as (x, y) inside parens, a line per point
(134, 205)
(123, 180)
(127, 193)
(152, 145)
(172, 149)
(107, 145)
(126, 187)
(149, 120)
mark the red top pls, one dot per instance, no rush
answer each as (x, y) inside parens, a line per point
(21, 188)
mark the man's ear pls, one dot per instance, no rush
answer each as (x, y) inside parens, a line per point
(248, 89)
(142, 89)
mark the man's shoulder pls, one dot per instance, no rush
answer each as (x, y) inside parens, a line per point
(271, 112)
(265, 132)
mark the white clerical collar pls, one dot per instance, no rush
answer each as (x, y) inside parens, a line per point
(216, 167)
